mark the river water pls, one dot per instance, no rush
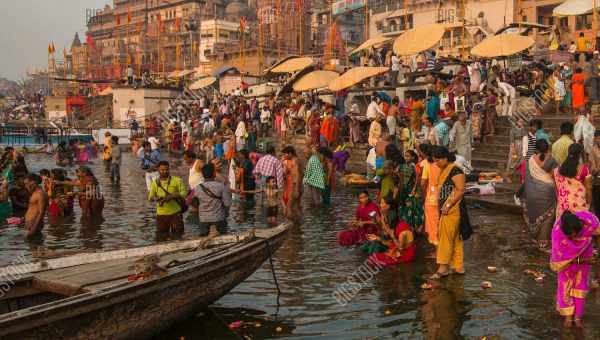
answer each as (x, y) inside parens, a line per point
(310, 266)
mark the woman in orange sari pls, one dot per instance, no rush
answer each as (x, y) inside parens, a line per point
(578, 89)
(429, 182)
(573, 183)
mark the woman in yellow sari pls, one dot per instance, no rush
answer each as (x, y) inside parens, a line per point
(451, 189)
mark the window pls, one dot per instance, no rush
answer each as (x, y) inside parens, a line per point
(550, 21)
(583, 22)
(379, 25)
(540, 20)
(564, 23)
(524, 18)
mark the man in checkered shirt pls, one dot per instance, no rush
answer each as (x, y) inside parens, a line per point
(269, 166)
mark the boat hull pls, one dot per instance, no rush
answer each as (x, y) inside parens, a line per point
(144, 309)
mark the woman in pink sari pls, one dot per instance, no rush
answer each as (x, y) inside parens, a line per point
(572, 256)
(573, 183)
(363, 223)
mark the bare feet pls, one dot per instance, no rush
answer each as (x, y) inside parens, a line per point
(578, 323)
(568, 322)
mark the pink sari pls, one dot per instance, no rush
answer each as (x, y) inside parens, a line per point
(573, 278)
(570, 193)
(359, 235)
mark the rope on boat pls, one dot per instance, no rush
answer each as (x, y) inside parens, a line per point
(273, 270)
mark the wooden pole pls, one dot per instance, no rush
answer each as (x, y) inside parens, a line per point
(594, 24)
(366, 19)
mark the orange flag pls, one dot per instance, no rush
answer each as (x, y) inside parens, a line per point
(129, 15)
(177, 24)
(118, 19)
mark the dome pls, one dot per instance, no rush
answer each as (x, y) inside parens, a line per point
(236, 10)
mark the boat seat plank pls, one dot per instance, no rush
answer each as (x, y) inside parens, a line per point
(74, 280)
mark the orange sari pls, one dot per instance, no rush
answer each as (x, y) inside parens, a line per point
(578, 90)
(432, 213)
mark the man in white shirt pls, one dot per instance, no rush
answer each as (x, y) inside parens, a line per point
(154, 142)
(373, 109)
(395, 69)
(265, 116)
(509, 98)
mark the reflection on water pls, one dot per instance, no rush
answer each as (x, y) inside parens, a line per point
(310, 265)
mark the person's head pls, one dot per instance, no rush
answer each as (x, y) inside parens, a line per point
(566, 129)
(208, 171)
(442, 156)
(363, 197)
(31, 182)
(578, 70)
(427, 121)
(325, 152)
(147, 147)
(570, 224)
(289, 152)
(271, 150)
(581, 34)
(271, 182)
(410, 156)
(424, 150)
(462, 116)
(542, 147)
(447, 107)
(45, 173)
(163, 169)
(189, 157)
(115, 140)
(387, 204)
(569, 167)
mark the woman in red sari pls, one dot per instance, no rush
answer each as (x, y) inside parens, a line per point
(397, 237)
(578, 89)
(314, 126)
(362, 224)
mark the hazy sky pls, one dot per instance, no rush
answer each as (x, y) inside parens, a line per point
(28, 26)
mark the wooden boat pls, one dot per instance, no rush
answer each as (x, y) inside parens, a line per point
(100, 296)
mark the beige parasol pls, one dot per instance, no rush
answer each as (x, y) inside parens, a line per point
(573, 7)
(202, 83)
(419, 39)
(173, 74)
(373, 42)
(355, 76)
(502, 45)
(293, 65)
(314, 80)
(185, 73)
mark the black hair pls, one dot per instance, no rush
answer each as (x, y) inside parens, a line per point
(325, 152)
(426, 150)
(34, 178)
(578, 70)
(163, 163)
(413, 154)
(364, 192)
(538, 123)
(145, 143)
(59, 174)
(570, 223)
(541, 145)
(190, 154)
(271, 149)
(45, 172)
(392, 153)
(289, 150)
(115, 139)
(208, 171)
(566, 128)
(569, 166)
(442, 152)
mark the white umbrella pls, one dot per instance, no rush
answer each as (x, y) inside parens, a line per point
(574, 7)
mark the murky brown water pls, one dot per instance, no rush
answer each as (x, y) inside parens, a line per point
(310, 266)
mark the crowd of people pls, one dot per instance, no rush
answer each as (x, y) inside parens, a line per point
(419, 158)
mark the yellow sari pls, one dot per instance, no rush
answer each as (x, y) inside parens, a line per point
(450, 247)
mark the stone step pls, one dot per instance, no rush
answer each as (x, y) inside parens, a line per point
(496, 139)
(489, 154)
(496, 163)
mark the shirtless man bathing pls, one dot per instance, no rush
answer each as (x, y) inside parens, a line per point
(38, 204)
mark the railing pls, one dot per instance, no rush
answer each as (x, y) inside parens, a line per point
(18, 135)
